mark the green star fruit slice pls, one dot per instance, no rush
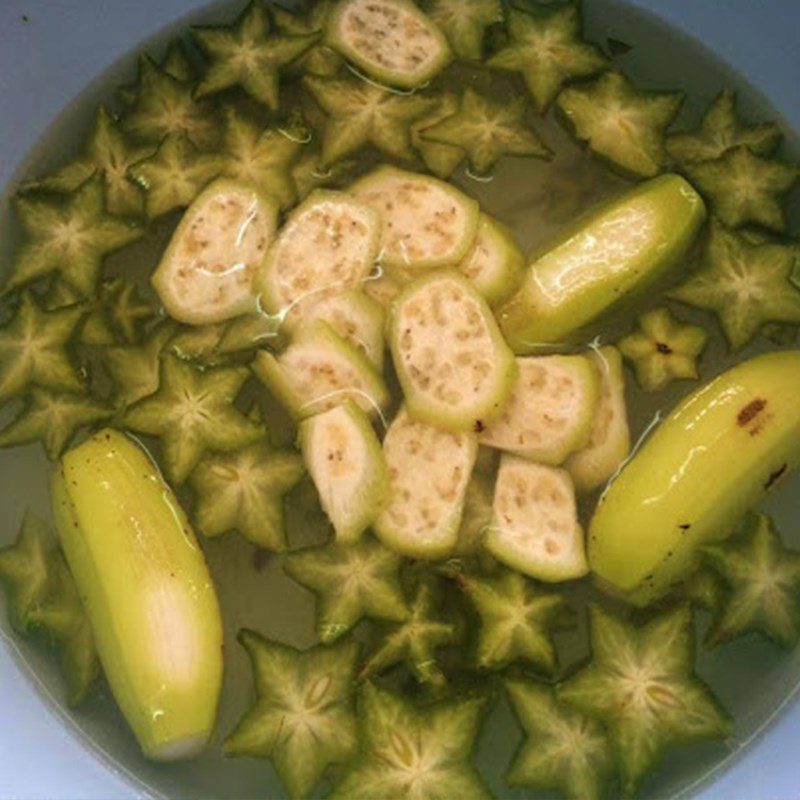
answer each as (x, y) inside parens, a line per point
(762, 579)
(320, 370)
(302, 718)
(429, 469)
(609, 441)
(392, 41)
(327, 245)
(535, 527)
(206, 273)
(614, 253)
(146, 590)
(344, 458)
(464, 23)
(551, 410)
(546, 48)
(418, 753)
(455, 369)
(621, 123)
(351, 582)
(640, 684)
(743, 427)
(427, 223)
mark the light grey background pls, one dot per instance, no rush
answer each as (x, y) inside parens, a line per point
(66, 43)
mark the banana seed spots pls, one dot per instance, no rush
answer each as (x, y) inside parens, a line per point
(750, 412)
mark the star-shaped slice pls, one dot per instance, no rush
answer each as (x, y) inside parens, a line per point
(53, 419)
(134, 369)
(746, 284)
(488, 129)
(744, 188)
(562, 750)
(192, 412)
(261, 156)
(661, 349)
(412, 752)
(622, 123)
(464, 23)
(68, 235)
(319, 59)
(704, 589)
(117, 315)
(361, 113)
(303, 716)
(174, 174)
(247, 54)
(34, 350)
(516, 619)
(720, 131)
(440, 159)
(244, 491)
(24, 570)
(176, 62)
(762, 577)
(547, 49)
(414, 641)
(164, 104)
(110, 152)
(640, 684)
(351, 582)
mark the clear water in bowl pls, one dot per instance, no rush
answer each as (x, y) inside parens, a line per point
(753, 678)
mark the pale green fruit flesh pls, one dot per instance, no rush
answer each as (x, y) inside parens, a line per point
(713, 458)
(616, 251)
(146, 589)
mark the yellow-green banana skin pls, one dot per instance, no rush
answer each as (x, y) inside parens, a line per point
(146, 589)
(713, 458)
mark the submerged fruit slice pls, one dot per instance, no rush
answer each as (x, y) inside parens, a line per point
(147, 591)
(319, 59)
(464, 23)
(440, 159)
(495, 263)
(410, 751)
(609, 441)
(622, 123)
(616, 251)
(303, 717)
(427, 223)
(535, 526)
(174, 174)
(69, 235)
(743, 188)
(516, 620)
(354, 316)
(382, 288)
(360, 114)
(640, 684)
(429, 469)
(477, 515)
(455, 369)
(320, 370)
(345, 461)
(744, 429)
(248, 332)
(328, 245)
(248, 55)
(351, 582)
(33, 350)
(206, 273)
(720, 131)
(762, 578)
(487, 129)
(747, 285)
(391, 40)
(414, 641)
(551, 409)
(562, 750)
(662, 349)
(117, 315)
(192, 412)
(244, 491)
(53, 419)
(176, 62)
(546, 48)
(704, 589)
